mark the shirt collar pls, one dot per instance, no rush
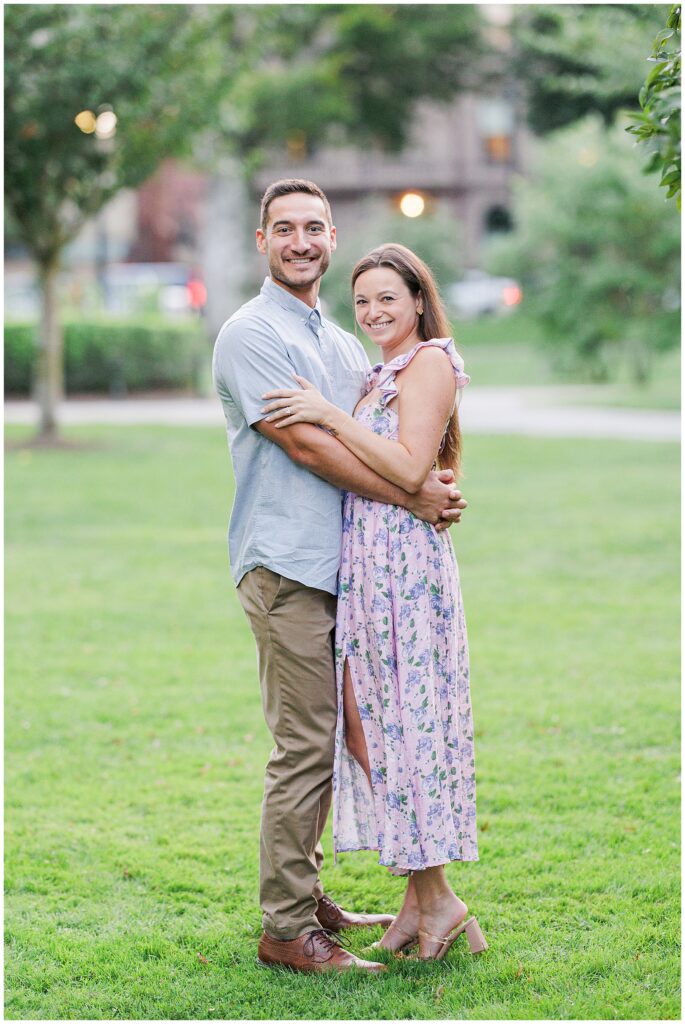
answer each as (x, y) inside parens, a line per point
(309, 316)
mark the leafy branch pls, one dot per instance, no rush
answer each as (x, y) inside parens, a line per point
(657, 125)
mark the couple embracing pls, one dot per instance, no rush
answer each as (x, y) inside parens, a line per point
(346, 573)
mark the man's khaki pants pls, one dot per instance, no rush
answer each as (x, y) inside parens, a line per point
(294, 629)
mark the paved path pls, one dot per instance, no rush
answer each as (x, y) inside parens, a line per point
(530, 412)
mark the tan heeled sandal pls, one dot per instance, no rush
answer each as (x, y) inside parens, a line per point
(476, 939)
(411, 940)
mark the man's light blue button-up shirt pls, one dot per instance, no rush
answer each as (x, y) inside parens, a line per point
(283, 517)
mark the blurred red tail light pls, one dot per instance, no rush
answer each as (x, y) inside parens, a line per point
(511, 295)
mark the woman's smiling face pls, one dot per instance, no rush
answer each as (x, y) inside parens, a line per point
(385, 308)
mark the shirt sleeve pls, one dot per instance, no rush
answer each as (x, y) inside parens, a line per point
(249, 360)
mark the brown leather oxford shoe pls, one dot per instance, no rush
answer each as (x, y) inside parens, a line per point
(334, 918)
(315, 951)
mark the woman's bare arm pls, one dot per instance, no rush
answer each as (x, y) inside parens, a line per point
(426, 396)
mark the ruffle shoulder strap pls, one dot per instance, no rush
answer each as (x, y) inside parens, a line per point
(382, 375)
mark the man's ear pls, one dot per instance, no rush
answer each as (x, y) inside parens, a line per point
(334, 239)
(261, 241)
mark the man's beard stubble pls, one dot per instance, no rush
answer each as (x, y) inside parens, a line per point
(278, 270)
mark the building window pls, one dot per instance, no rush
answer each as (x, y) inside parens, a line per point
(497, 221)
(495, 119)
(498, 149)
(297, 147)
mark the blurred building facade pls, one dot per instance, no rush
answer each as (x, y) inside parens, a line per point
(461, 157)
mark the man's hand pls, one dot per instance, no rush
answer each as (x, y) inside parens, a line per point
(438, 502)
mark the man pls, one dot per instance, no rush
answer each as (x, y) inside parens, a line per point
(284, 543)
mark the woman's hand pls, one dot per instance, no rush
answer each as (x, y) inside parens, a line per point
(305, 405)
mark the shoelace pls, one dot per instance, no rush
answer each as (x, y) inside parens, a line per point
(331, 905)
(329, 940)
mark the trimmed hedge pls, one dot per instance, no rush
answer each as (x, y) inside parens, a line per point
(113, 356)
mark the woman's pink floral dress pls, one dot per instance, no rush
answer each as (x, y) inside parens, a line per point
(400, 625)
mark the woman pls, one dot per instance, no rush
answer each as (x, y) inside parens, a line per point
(404, 778)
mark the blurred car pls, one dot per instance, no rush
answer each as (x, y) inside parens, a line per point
(170, 288)
(480, 293)
(126, 289)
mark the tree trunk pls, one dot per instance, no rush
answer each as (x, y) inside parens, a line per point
(227, 245)
(49, 372)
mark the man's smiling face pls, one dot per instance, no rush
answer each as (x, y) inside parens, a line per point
(298, 241)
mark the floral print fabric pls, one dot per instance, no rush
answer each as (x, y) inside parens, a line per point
(401, 628)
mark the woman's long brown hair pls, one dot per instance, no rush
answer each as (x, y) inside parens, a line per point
(433, 323)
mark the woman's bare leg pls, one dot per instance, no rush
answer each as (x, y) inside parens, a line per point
(408, 917)
(440, 910)
(354, 730)
(406, 924)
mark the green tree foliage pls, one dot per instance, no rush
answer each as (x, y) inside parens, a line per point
(658, 124)
(331, 72)
(597, 251)
(152, 64)
(576, 59)
(157, 67)
(243, 76)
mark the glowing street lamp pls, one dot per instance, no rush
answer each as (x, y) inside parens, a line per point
(86, 121)
(412, 204)
(106, 125)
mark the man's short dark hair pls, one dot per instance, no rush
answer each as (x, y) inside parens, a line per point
(287, 187)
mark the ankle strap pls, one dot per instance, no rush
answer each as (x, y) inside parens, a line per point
(435, 938)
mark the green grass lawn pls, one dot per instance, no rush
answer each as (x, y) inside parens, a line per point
(136, 746)
(504, 351)
(508, 352)
(661, 391)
